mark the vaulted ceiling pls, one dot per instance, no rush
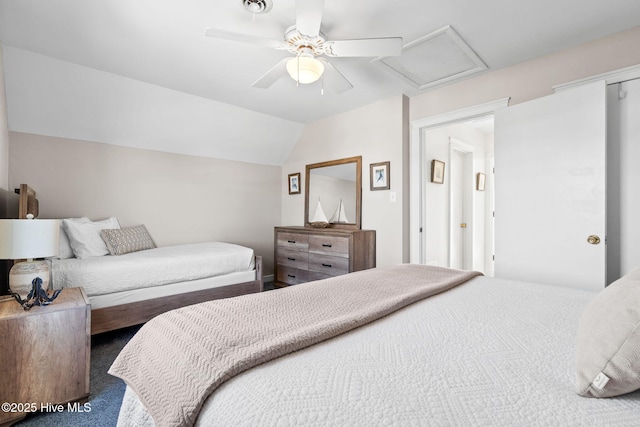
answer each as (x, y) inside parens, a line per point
(163, 42)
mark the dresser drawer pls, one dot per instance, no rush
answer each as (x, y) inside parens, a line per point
(329, 245)
(292, 276)
(331, 265)
(293, 240)
(314, 275)
(291, 258)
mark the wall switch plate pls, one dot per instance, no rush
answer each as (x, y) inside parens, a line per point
(392, 196)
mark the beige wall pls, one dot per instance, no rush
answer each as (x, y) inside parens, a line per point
(377, 132)
(180, 198)
(535, 78)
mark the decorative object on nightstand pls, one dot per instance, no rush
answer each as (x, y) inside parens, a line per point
(29, 239)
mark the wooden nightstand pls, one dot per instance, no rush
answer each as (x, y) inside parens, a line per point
(44, 353)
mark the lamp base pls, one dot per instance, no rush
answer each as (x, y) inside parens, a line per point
(23, 273)
(26, 285)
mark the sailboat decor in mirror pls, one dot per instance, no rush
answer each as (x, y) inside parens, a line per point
(319, 219)
(337, 183)
(339, 216)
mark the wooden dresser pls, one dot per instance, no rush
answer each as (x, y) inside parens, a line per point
(305, 254)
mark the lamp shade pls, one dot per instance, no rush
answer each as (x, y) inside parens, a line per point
(305, 69)
(29, 238)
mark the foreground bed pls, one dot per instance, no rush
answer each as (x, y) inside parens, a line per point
(487, 352)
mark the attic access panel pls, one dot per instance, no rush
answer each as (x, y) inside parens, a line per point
(434, 59)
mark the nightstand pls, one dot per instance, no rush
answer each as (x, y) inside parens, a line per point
(44, 353)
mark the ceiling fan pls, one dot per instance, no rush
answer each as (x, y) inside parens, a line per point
(310, 47)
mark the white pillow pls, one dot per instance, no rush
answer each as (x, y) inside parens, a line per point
(85, 239)
(608, 342)
(65, 250)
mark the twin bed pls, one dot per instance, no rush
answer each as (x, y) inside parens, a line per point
(131, 288)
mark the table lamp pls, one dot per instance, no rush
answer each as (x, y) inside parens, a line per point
(30, 238)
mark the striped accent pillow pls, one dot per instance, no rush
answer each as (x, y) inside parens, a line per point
(126, 240)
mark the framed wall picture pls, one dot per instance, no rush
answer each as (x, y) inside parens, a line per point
(379, 178)
(437, 171)
(480, 181)
(294, 183)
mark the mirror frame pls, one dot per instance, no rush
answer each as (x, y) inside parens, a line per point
(358, 161)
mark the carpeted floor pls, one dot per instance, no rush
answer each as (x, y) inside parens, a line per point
(106, 391)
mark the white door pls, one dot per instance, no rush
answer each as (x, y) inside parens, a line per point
(461, 209)
(550, 189)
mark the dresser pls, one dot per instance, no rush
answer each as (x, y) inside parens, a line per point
(304, 254)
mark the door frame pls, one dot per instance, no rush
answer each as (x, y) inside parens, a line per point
(417, 168)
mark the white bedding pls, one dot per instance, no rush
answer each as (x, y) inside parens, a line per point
(153, 267)
(489, 352)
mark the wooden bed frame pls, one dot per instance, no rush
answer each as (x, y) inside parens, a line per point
(120, 316)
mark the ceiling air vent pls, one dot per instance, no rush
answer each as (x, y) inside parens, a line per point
(434, 59)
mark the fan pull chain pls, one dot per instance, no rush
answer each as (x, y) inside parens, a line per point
(298, 75)
(322, 85)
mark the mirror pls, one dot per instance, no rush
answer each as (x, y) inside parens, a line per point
(335, 186)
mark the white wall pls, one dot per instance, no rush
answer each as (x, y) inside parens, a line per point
(377, 132)
(436, 196)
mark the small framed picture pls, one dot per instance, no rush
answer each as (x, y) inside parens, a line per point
(380, 179)
(294, 183)
(480, 181)
(437, 171)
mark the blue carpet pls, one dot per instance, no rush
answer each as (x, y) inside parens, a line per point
(106, 391)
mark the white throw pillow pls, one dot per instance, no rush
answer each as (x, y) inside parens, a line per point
(65, 250)
(85, 239)
(608, 344)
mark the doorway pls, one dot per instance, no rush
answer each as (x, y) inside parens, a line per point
(456, 229)
(424, 216)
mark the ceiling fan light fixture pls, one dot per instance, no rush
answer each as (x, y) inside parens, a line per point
(305, 69)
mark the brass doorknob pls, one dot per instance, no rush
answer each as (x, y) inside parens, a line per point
(463, 225)
(593, 239)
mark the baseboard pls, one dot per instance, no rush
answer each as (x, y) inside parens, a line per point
(267, 278)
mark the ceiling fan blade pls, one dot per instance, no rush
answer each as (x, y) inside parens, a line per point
(334, 78)
(219, 34)
(389, 46)
(271, 76)
(309, 17)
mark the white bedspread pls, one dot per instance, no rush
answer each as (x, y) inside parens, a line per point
(487, 353)
(153, 267)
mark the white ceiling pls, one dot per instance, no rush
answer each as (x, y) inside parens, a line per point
(162, 42)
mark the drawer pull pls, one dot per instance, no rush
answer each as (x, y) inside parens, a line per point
(292, 276)
(291, 241)
(291, 259)
(326, 245)
(326, 265)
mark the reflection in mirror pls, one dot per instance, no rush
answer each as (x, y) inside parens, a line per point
(333, 193)
(334, 189)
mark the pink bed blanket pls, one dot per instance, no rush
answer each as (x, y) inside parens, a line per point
(179, 358)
